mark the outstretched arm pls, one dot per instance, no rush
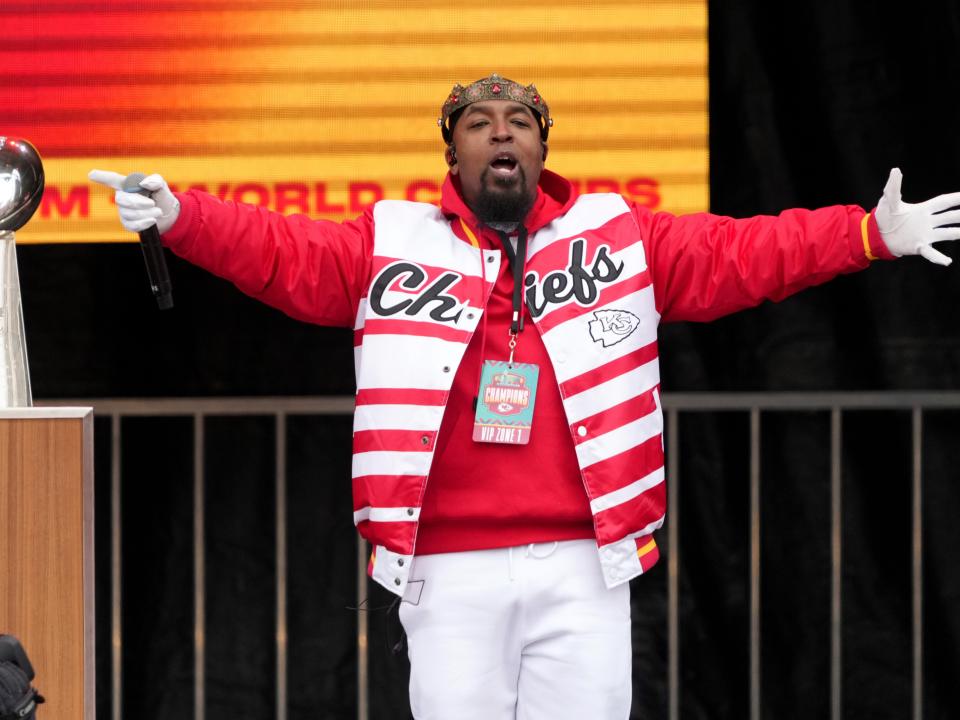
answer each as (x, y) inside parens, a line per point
(313, 270)
(705, 266)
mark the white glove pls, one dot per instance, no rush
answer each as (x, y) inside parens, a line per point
(911, 229)
(138, 212)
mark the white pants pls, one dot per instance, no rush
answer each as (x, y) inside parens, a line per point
(527, 633)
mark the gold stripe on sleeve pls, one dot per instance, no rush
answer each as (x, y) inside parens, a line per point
(865, 234)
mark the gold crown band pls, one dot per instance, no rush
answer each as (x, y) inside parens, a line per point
(493, 88)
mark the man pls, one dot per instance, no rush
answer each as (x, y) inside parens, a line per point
(506, 350)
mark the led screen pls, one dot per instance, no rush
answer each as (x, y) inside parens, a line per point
(325, 107)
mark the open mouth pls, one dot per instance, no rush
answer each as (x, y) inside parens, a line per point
(504, 164)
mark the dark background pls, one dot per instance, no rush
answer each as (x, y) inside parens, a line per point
(811, 104)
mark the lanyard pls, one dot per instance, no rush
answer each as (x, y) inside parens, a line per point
(519, 270)
(518, 262)
(506, 393)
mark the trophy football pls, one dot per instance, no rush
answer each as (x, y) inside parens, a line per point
(21, 187)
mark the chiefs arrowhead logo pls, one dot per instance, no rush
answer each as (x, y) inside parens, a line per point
(612, 326)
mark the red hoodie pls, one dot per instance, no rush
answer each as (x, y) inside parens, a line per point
(486, 495)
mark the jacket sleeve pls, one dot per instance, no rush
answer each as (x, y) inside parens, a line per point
(705, 266)
(313, 270)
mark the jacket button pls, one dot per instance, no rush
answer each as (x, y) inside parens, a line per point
(424, 439)
(397, 581)
(489, 258)
(470, 316)
(446, 368)
(410, 512)
(582, 431)
(400, 562)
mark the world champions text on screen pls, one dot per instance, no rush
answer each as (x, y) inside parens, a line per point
(330, 199)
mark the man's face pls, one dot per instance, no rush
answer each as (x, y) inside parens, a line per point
(499, 156)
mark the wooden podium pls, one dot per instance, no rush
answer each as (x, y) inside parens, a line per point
(46, 551)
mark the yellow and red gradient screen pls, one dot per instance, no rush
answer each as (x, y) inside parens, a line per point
(325, 107)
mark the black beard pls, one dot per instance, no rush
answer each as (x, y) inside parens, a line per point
(507, 205)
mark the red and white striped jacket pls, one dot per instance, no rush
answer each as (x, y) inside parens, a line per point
(601, 275)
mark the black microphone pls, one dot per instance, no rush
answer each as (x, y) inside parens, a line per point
(152, 250)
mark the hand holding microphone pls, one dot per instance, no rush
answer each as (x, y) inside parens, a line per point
(147, 207)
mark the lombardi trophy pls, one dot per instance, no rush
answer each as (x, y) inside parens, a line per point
(21, 187)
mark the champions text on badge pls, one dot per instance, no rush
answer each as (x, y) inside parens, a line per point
(505, 403)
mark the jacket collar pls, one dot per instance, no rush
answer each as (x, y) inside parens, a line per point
(555, 195)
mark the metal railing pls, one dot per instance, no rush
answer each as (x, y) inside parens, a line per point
(836, 404)
(755, 404)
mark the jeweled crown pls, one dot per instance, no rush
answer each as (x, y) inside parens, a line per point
(493, 87)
